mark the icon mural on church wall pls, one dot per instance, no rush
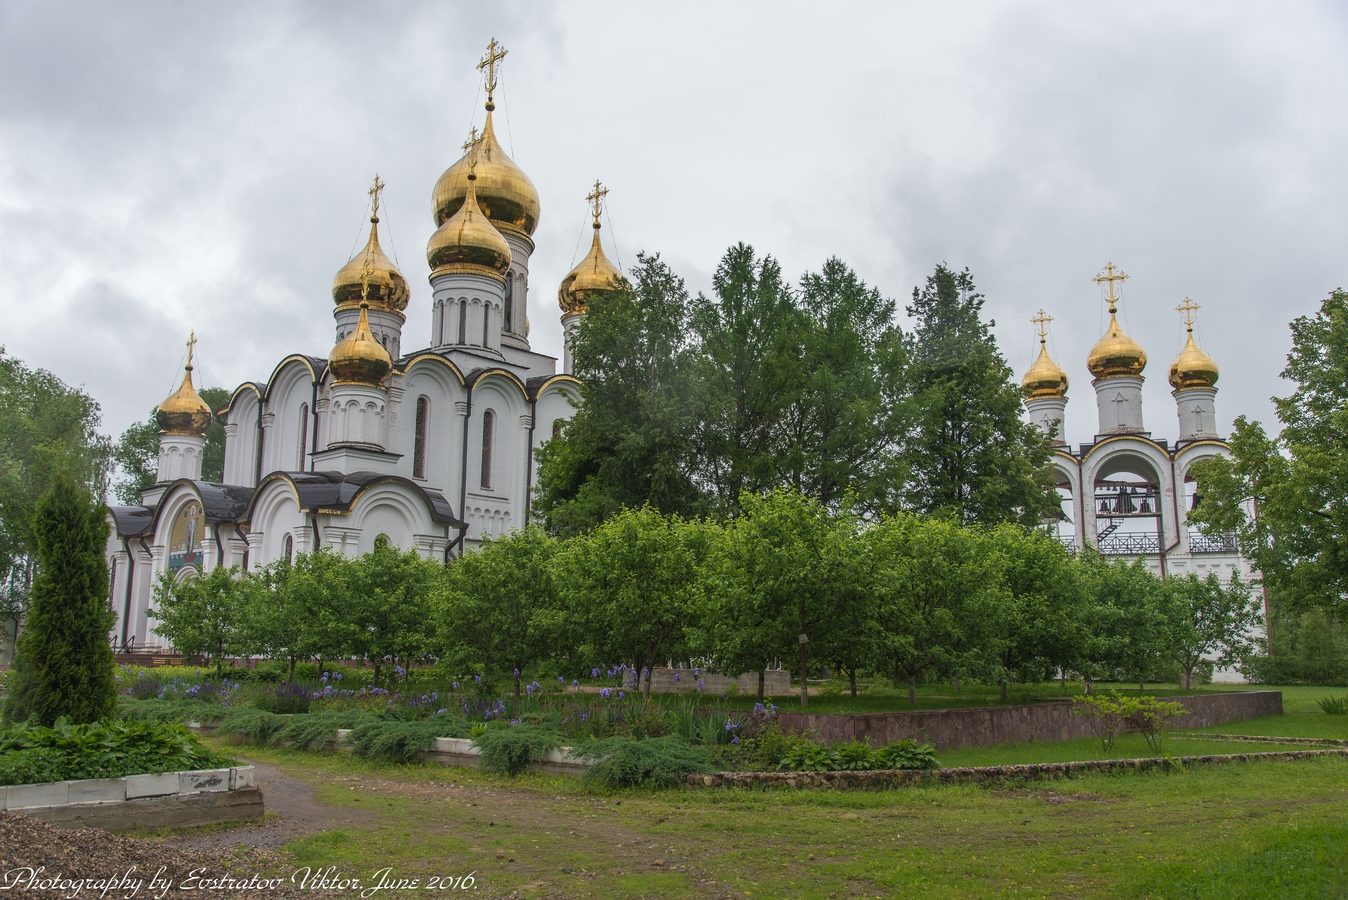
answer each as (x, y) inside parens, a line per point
(185, 538)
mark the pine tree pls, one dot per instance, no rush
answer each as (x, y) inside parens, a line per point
(63, 667)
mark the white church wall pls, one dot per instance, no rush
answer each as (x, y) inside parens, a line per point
(396, 511)
(289, 394)
(490, 506)
(433, 379)
(276, 515)
(241, 428)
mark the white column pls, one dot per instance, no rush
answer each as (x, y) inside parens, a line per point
(570, 325)
(1197, 408)
(1119, 399)
(180, 456)
(1047, 414)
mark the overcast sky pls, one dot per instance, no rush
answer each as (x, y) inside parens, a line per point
(166, 166)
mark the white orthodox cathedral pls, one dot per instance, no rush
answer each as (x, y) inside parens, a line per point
(433, 447)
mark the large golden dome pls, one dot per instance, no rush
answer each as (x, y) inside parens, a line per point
(370, 273)
(504, 192)
(1192, 368)
(593, 275)
(1116, 353)
(1045, 378)
(359, 358)
(183, 411)
(467, 242)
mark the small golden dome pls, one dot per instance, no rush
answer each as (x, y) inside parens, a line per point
(359, 358)
(1116, 353)
(467, 242)
(594, 274)
(1192, 368)
(1045, 378)
(370, 273)
(504, 192)
(183, 411)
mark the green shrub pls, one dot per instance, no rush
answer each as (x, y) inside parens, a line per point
(317, 731)
(286, 698)
(110, 749)
(182, 711)
(1334, 706)
(400, 741)
(1112, 713)
(907, 754)
(510, 750)
(807, 756)
(251, 723)
(856, 756)
(655, 762)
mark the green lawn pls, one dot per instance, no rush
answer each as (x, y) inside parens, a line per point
(1263, 829)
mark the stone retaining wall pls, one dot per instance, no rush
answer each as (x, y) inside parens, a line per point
(978, 726)
(201, 797)
(981, 774)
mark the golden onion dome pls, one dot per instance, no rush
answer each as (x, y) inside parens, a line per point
(467, 242)
(1116, 353)
(1045, 378)
(504, 192)
(183, 411)
(593, 275)
(359, 358)
(387, 286)
(1192, 368)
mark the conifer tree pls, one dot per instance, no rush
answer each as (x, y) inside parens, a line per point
(63, 667)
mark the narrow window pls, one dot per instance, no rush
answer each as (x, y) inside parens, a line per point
(488, 438)
(509, 302)
(463, 321)
(556, 427)
(419, 442)
(304, 433)
(288, 548)
(486, 322)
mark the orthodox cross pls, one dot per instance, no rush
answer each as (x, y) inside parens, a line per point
(487, 65)
(1040, 322)
(596, 198)
(471, 146)
(191, 344)
(1187, 309)
(365, 272)
(374, 192)
(1110, 276)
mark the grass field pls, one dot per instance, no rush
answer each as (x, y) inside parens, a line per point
(1257, 829)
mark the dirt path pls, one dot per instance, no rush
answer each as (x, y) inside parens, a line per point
(293, 811)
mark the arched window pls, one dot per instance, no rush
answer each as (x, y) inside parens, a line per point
(288, 548)
(488, 438)
(463, 321)
(486, 322)
(556, 427)
(304, 433)
(509, 302)
(419, 440)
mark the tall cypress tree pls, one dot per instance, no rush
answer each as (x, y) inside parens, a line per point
(63, 667)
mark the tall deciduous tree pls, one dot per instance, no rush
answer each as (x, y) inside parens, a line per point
(1298, 537)
(64, 663)
(136, 452)
(1211, 623)
(971, 455)
(206, 615)
(629, 442)
(501, 608)
(298, 609)
(392, 597)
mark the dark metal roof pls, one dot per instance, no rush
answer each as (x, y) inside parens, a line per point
(131, 521)
(335, 491)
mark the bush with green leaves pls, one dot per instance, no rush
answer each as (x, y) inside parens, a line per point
(1334, 706)
(317, 731)
(403, 741)
(111, 749)
(251, 723)
(809, 757)
(1112, 714)
(181, 711)
(652, 763)
(286, 698)
(510, 749)
(856, 756)
(907, 754)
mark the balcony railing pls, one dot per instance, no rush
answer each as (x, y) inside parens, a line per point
(1212, 543)
(1129, 544)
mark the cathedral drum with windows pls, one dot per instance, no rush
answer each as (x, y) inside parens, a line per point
(1128, 494)
(435, 448)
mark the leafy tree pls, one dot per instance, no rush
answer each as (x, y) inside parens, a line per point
(935, 594)
(297, 610)
(630, 586)
(841, 433)
(136, 452)
(628, 443)
(63, 667)
(501, 604)
(746, 368)
(206, 615)
(1298, 540)
(970, 454)
(1212, 623)
(1128, 619)
(47, 428)
(392, 597)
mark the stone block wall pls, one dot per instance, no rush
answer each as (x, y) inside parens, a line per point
(775, 682)
(979, 726)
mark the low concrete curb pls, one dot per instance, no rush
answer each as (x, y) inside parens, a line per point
(173, 798)
(982, 774)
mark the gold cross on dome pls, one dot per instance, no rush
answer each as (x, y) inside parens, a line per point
(374, 192)
(1041, 324)
(1111, 275)
(1187, 309)
(191, 344)
(596, 198)
(365, 272)
(488, 63)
